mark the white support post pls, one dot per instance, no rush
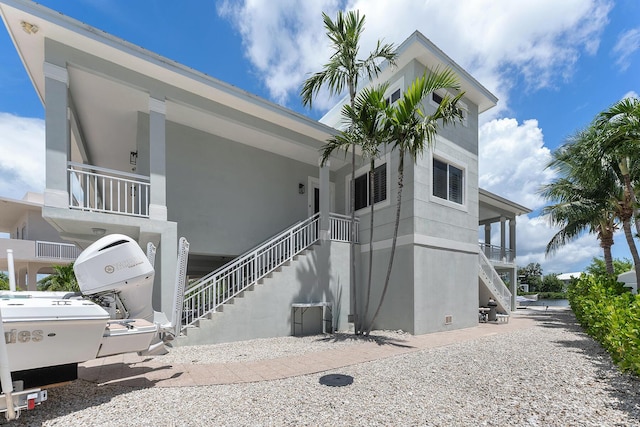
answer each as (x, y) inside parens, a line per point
(12, 271)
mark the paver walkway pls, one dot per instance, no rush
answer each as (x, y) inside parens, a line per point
(138, 371)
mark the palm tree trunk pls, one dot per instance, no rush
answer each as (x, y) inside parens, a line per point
(626, 226)
(352, 245)
(393, 244)
(634, 202)
(608, 259)
(371, 200)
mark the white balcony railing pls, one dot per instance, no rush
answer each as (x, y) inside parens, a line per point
(498, 253)
(340, 226)
(96, 189)
(61, 251)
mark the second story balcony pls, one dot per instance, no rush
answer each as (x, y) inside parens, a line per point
(97, 189)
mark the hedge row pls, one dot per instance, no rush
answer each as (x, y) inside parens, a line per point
(611, 315)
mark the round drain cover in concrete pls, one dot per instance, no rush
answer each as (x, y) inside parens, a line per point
(336, 380)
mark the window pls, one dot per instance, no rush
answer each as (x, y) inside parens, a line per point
(393, 98)
(379, 187)
(447, 182)
(437, 98)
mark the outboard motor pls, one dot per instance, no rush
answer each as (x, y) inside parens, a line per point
(116, 265)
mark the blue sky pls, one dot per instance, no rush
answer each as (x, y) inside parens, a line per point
(553, 65)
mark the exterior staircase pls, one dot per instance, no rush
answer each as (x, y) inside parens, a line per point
(493, 284)
(237, 301)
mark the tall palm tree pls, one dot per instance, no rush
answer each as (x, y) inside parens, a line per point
(411, 131)
(344, 71)
(366, 131)
(592, 191)
(620, 125)
(583, 201)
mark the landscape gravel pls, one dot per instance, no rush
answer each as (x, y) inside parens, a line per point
(549, 375)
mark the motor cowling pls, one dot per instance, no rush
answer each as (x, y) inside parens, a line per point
(116, 263)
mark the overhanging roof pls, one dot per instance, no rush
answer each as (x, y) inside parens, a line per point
(105, 101)
(12, 210)
(492, 207)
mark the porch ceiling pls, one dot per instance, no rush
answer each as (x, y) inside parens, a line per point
(107, 108)
(492, 207)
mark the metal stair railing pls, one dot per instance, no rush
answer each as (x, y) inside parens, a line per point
(494, 282)
(220, 286)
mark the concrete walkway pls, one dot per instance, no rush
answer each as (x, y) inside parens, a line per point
(136, 371)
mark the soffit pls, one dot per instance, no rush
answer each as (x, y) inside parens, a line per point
(99, 102)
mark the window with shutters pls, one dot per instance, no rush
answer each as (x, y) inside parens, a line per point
(448, 182)
(362, 183)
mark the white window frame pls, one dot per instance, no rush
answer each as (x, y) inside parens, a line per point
(386, 160)
(465, 187)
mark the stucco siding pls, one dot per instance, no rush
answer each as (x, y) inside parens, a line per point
(445, 285)
(229, 197)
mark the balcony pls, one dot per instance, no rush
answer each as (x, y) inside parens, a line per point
(97, 189)
(38, 251)
(498, 254)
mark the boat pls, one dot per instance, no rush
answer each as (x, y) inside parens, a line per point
(48, 333)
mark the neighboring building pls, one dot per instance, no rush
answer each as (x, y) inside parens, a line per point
(36, 245)
(140, 145)
(566, 278)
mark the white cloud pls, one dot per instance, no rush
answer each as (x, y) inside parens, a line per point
(533, 235)
(22, 149)
(513, 160)
(628, 43)
(536, 40)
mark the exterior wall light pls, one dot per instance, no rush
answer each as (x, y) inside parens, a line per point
(133, 157)
(301, 188)
(29, 28)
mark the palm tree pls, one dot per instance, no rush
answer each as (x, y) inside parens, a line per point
(366, 131)
(344, 71)
(593, 190)
(411, 131)
(63, 279)
(621, 139)
(584, 200)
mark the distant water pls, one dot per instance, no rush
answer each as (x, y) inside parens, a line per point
(549, 302)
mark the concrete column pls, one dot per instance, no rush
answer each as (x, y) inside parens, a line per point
(512, 238)
(157, 159)
(502, 238)
(57, 142)
(32, 278)
(325, 201)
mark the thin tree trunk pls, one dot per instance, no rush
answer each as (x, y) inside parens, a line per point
(393, 244)
(352, 245)
(371, 200)
(606, 242)
(626, 226)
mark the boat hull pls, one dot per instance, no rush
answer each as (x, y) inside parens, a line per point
(42, 332)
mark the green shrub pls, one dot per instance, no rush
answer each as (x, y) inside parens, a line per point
(611, 315)
(552, 295)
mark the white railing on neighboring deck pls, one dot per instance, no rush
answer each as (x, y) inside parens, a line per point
(99, 189)
(210, 292)
(498, 288)
(62, 251)
(497, 253)
(340, 227)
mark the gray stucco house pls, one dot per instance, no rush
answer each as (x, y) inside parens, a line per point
(141, 145)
